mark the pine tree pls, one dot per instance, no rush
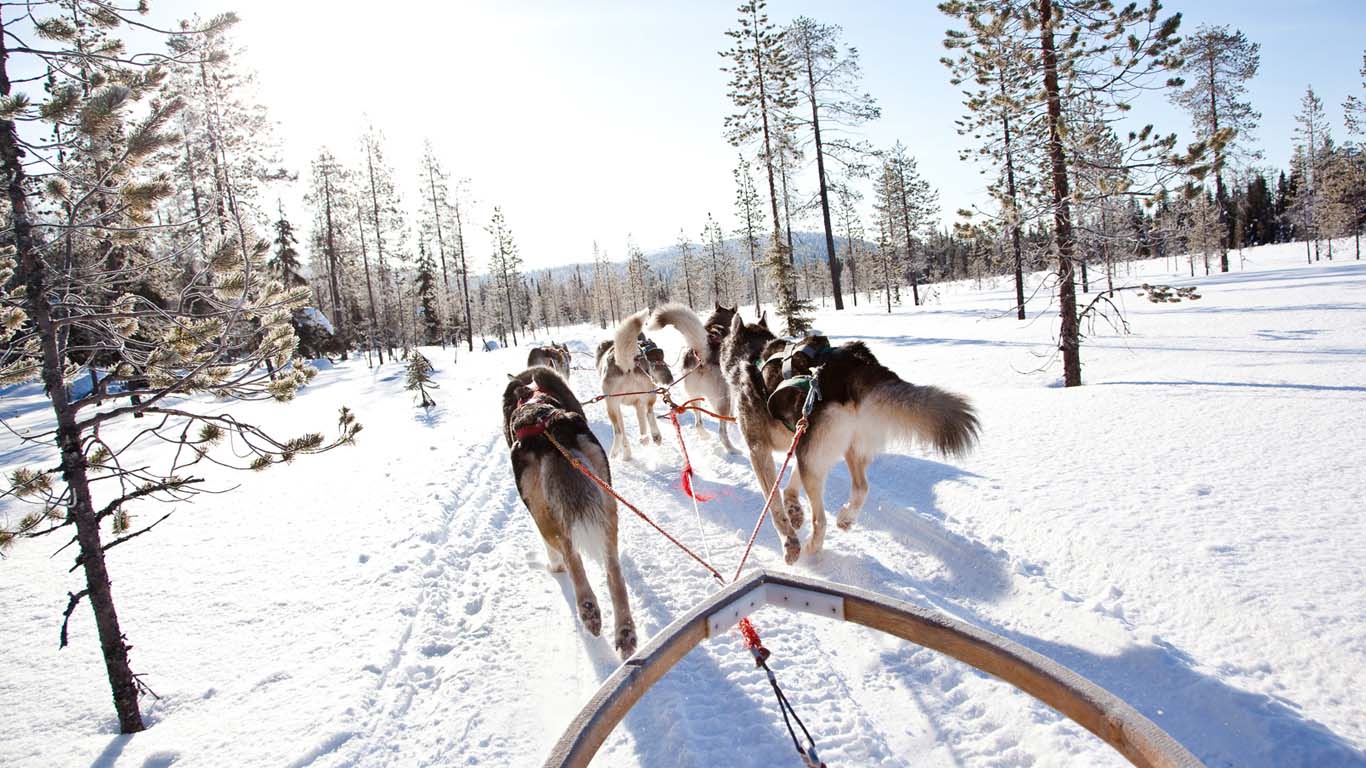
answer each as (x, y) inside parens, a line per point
(846, 199)
(762, 90)
(384, 214)
(82, 199)
(326, 195)
(419, 378)
(686, 267)
(910, 205)
(1310, 160)
(830, 76)
(995, 56)
(505, 266)
(436, 221)
(748, 213)
(284, 265)
(426, 289)
(1218, 63)
(721, 265)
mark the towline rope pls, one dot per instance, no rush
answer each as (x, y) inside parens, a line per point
(748, 634)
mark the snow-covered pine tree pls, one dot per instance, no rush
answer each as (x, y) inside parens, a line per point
(81, 201)
(1217, 64)
(722, 267)
(505, 264)
(419, 378)
(828, 76)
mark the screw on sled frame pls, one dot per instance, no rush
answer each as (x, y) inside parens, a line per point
(1117, 723)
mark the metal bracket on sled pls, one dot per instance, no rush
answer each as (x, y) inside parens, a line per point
(792, 598)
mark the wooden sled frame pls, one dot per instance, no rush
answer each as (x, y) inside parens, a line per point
(1097, 710)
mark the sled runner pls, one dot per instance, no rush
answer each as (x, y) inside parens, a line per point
(1135, 737)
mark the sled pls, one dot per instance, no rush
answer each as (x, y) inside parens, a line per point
(1121, 726)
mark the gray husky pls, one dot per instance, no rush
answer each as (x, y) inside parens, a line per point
(573, 515)
(552, 355)
(863, 407)
(703, 358)
(626, 365)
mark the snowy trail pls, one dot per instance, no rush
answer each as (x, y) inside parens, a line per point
(1185, 531)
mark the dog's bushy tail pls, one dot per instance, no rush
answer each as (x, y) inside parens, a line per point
(899, 411)
(682, 318)
(624, 342)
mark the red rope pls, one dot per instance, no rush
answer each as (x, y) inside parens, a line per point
(796, 438)
(606, 487)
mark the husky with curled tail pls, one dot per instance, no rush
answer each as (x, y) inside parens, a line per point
(631, 363)
(863, 408)
(703, 358)
(573, 514)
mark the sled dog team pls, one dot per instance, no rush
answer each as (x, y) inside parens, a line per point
(741, 370)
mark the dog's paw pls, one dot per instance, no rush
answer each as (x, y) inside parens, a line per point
(658, 438)
(845, 519)
(814, 546)
(792, 549)
(795, 515)
(591, 617)
(626, 640)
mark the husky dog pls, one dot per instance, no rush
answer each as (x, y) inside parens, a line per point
(554, 356)
(703, 358)
(573, 515)
(632, 363)
(863, 407)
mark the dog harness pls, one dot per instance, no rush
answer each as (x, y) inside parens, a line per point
(649, 353)
(801, 361)
(537, 395)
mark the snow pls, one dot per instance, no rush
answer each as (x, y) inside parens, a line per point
(1186, 530)
(314, 316)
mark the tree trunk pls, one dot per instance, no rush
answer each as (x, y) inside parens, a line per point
(1069, 333)
(369, 284)
(830, 260)
(763, 113)
(73, 464)
(1014, 209)
(379, 251)
(464, 272)
(333, 286)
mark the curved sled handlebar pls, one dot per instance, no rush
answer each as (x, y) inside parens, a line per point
(1097, 710)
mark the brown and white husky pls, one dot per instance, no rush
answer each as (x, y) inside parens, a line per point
(863, 408)
(551, 355)
(625, 367)
(703, 358)
(573, 514)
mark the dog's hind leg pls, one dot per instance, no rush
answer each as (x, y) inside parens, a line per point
(587, 602)
(645, 411)
(621, 446)
(814, 484)
(858, 489)
(625, 634)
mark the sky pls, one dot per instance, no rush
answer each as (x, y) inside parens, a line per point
(598, 121)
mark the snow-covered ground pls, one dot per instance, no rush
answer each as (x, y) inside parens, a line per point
(1187, 530)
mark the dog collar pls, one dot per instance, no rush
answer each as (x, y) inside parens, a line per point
(531, 430)
(537, 395)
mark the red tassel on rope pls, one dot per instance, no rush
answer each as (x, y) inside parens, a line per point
(687, 463)
(752, 641)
